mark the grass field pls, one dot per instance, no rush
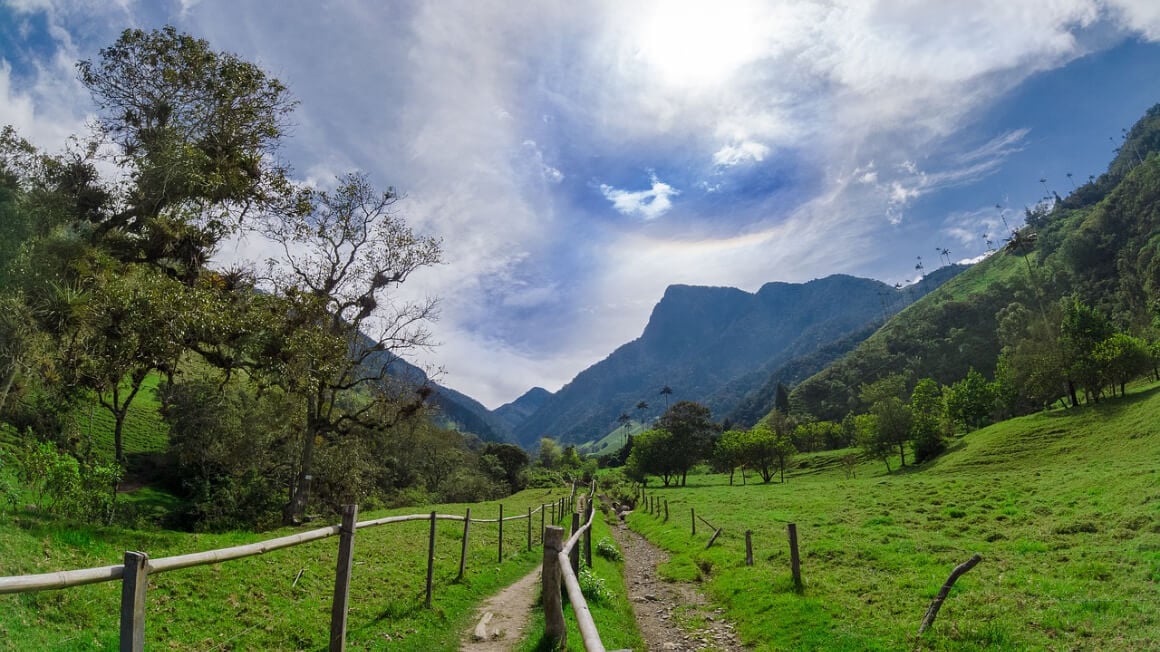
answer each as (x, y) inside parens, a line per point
(1064, 508)
(254, 603)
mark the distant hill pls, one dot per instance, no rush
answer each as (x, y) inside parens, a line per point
(716, 345)
(519, 410)
(1101, 244)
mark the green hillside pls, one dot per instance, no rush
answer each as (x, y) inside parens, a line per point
(1063, 506)
(1100, 246)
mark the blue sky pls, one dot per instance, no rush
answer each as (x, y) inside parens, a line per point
(579, 157)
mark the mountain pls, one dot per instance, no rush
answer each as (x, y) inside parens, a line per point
(1100, 246)
(716, 345)
(455, 409)
(519, 410)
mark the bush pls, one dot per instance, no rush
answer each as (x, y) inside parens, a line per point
(607, 549)
(593, 587)
(59, 484)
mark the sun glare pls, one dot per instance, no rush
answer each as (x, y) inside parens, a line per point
(697, 44)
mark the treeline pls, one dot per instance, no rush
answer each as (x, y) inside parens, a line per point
(275, 379)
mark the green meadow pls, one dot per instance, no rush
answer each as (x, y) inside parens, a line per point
(1064, 508)
(277, 601)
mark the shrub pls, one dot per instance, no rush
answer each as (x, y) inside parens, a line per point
(607, 549)
(593, 587)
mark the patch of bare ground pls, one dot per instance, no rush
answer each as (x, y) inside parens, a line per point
(501, 620)
(671, 615)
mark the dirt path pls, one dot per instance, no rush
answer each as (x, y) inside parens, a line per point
(510, 611)
(670, 615)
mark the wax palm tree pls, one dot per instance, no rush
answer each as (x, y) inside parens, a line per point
(666, 392)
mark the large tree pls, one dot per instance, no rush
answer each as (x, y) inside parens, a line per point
(197, 132)
(340, 262)
(692, 428)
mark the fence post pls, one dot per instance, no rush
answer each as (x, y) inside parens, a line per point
(749, 547)
(666, 510)
(338, 607)
(693, 516)
(529, 529)
(463, 552)
(795, 562)
(588, 539)
(554, 627)
(574, 553)
(430, 559)
(500, 533)
(133, 584)
(543, 508)
(560, 512)
(553, 506)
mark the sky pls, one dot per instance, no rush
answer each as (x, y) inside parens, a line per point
(577, 157)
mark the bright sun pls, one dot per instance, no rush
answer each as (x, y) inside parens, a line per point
(696, 44)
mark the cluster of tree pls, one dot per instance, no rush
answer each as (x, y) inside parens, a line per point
(277, 382)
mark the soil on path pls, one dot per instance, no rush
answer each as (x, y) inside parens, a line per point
(510, 610)
(671, 615)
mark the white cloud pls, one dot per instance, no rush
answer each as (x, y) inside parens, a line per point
(648, 204)
(731, 155)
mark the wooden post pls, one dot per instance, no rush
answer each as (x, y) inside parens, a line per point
(529, 529)
(431, 559)
(133, 584)
(693, 516)
(338, 606)
(588, 539)
(716, 533)
(463, 551)
(574, 553)
(935, 604)
(560, 513)
(749, 547)
(501, 532)
(543, 508)
(553, 512)
(795, 562)
(554, 627)
(666, 510)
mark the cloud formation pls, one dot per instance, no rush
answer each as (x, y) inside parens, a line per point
(784, 140)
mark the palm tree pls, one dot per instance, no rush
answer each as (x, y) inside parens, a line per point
(666, 392)
(1071, 180)
(624, 420)
(919, 269)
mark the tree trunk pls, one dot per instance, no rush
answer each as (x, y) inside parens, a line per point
(1071, 393)
(295, 511)
(732, 469)
(902, 451)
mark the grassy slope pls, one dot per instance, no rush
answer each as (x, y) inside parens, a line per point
(613, 441)
(1064, 507)
(253, 603)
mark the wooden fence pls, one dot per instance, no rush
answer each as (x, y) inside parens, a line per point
(137, 567)
(561, 566)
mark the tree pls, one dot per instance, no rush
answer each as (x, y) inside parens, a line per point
(893, 420)
(197, 130)
(928, 411)
(970, 401)
(728, 452)
(768, 447)
(1123, 358)
(656, 452)
(1081, 331)
(866, 433)
(345, 331)
(512, 460)
(781, 400)
(692, 430)
(549, 453)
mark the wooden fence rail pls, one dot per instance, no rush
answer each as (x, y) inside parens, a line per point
(137, 567)
(559, 571)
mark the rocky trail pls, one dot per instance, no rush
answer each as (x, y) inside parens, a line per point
(671, 616)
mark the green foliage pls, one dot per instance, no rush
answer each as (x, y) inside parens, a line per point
(56, 483)
(928, 413)
(593, 587)
(971, 401)
(608, 550)
(692, 430)
(655, 452)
